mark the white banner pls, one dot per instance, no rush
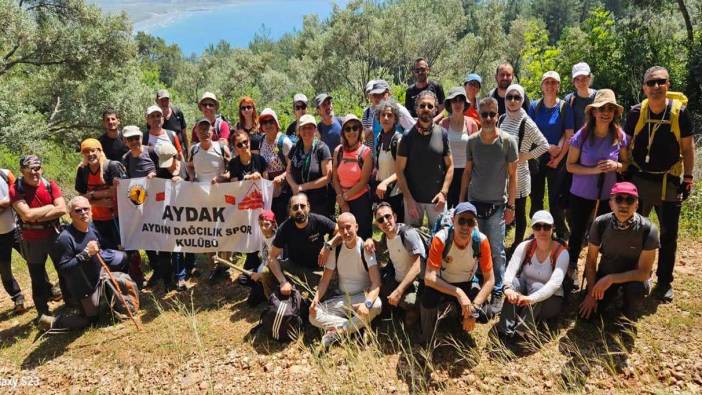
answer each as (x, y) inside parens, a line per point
(162, 215)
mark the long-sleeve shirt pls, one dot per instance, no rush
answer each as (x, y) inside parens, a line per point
(532, 138)
(542, 279)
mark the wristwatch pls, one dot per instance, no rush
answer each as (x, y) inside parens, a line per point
(369, 304)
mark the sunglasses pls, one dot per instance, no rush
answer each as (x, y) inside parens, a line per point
(80, 210)
(428, 106)
(381, 220)
(242, 144)
(352, 128)
(35, 168)
(488, 114)
(209, 104)
(470, 222)
(300, 107)
(267, 122)
(625, 198)
(513, 98)
(420, 70)
(608, 108)
(660, 82)
(298, 206)
(246, 108)
(133, 138)
(539, 227)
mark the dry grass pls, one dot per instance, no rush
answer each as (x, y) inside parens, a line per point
(200, 342)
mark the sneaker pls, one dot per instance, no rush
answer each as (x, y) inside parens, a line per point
(663, 292)
(330, 338)
(495, 307)
(181, 287)
(45, 322)
(19, 305)
(55, 295)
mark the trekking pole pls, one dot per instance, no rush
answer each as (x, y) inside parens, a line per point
(233, 266)
(119, 294)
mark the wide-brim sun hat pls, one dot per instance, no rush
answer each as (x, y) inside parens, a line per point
(269, 113)
(603, 97)
(454, 93)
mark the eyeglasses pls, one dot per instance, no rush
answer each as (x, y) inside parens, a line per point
(133, 138)
(513, 98)
(81, 210)
(352, 128)
(470, 222)
(381, 220)
(242, 144)
(246, 108)
(488, 114)
(659, 81)
(625, 198)
(267, 122)
(298, 206)
(208, 104)
(420, 70)
(428, 106)
(300, 107)
(540, 226)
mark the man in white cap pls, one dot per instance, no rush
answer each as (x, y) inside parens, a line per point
(173, 118)
(157, 134)
(583, 95)
(300, 109)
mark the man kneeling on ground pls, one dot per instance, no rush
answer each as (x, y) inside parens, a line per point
(359, 285)
(75, 252)
(628, 242)
(451, 274)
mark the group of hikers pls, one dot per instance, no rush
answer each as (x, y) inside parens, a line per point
(442, 178)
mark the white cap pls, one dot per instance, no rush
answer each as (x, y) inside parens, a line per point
(542, 217)
(131, 131)
(579, 69)
(551, 74)
(153, 109)
(299, 97)
(269, 113)
(166, 152)
(306, 119)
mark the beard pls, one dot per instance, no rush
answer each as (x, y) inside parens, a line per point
(300, 218)
(504, 84)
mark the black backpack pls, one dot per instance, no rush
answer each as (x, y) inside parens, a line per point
(281, 318)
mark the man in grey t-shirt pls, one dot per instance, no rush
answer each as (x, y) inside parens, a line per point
(490, 183)
(628, 242)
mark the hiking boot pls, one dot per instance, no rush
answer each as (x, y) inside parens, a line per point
(495, 307)
(55, 295)
(218, 274)
(663, 292)
(180, 286)
(45, 322)
(19, 305)
(330, 338)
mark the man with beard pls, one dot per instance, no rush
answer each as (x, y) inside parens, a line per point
(425, 179)
(423, 83)
(112, 143)
(628, 242)
(504, 76)
(302, 236)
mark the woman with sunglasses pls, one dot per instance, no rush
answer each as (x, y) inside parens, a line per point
(275, 148)
(386, 188)
(353, 164)
(531, 144)
(458, 127)
(309, 167)
(596, 155)
(248, 123)
(209, 105)
(533, 280)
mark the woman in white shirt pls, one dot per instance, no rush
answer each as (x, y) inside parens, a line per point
(533, 280)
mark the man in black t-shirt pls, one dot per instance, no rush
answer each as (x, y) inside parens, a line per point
(302, 236)
(300, 109)
(173, 118)
(663, 158)
(504, 75)
(423, 83)
(112, 143)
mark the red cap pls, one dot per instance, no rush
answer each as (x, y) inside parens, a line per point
(625, 188)
(267, 215)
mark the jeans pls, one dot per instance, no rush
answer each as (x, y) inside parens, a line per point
(183, 262)
(521, 319)
(581, 214)
(555, 178)
(494, 228)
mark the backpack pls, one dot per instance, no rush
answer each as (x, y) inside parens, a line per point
(445, 221)
(279, 143)
(129, 291)
(394, 142)
(561, 245)
(281, 318)
(363, 255)
(359, 158)
(196, 148)
(219, 118)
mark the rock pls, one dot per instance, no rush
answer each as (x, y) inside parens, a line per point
(298, 369)
(203, 385)
(268, 367)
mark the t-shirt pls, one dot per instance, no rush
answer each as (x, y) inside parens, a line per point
(473, 113)
(665, 149)
(81, 276)
(331, 134)
(350, 171)
(592, 150)
(176, 123)
(413, 91)
(385, 160)
(552, 121)
(578, 107)
(401, 254)
(305, 167)
(36, 197)
(488, 180)
(459, 265)
(164, 138)
(426, 171)
(114, 149)
(541, 280)
(141, 165)
(264, 251)
(207, 163)
(303, 245)
(621, 249)
(7, 215)
(238, 170)
(352, 275)
(87, 181)
(291, 131)
(458, 139)
(501, 109)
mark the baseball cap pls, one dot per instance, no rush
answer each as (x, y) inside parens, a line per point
(369, 86)
(379, 86)
(306, 120)
(542, 217)
(625, 188)
(320, 98)
(131, 131)
(29, 161)
(162, 94)
(473, 77)
(579, 69)
(89, 144)
(551, 74)
(299, 97)
(465, 207)
(348, 118)
(166, 152)
(267, 215)
(153, 109)
(204, 120)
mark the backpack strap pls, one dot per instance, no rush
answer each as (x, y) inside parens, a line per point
(520, 135)
(4, 176)
(363, 256)
(448, 244)
(475, 236)
(280, 143)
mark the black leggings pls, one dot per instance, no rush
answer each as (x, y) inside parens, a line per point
(520, 221)
(361, 209)
(580, 215)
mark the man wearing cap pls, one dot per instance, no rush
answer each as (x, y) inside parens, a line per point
(456, 254)
(423, 83)
(555, 121)
(9, 239)
(112, 143)
(503, 77)
(472, 84)
(39, 204)
(381, 91)
(141, 160)
(207, 159)
(94, 182)
(490, 183)
(329, 128)
(75, 253)
(583, 95)
(157, 134)
(300, 109)
(627, 242)
(173, 118)
(663, 159)
(209, 105)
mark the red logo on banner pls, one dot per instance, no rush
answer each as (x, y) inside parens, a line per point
(229, 199)
(253, 199)
(160, 196)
